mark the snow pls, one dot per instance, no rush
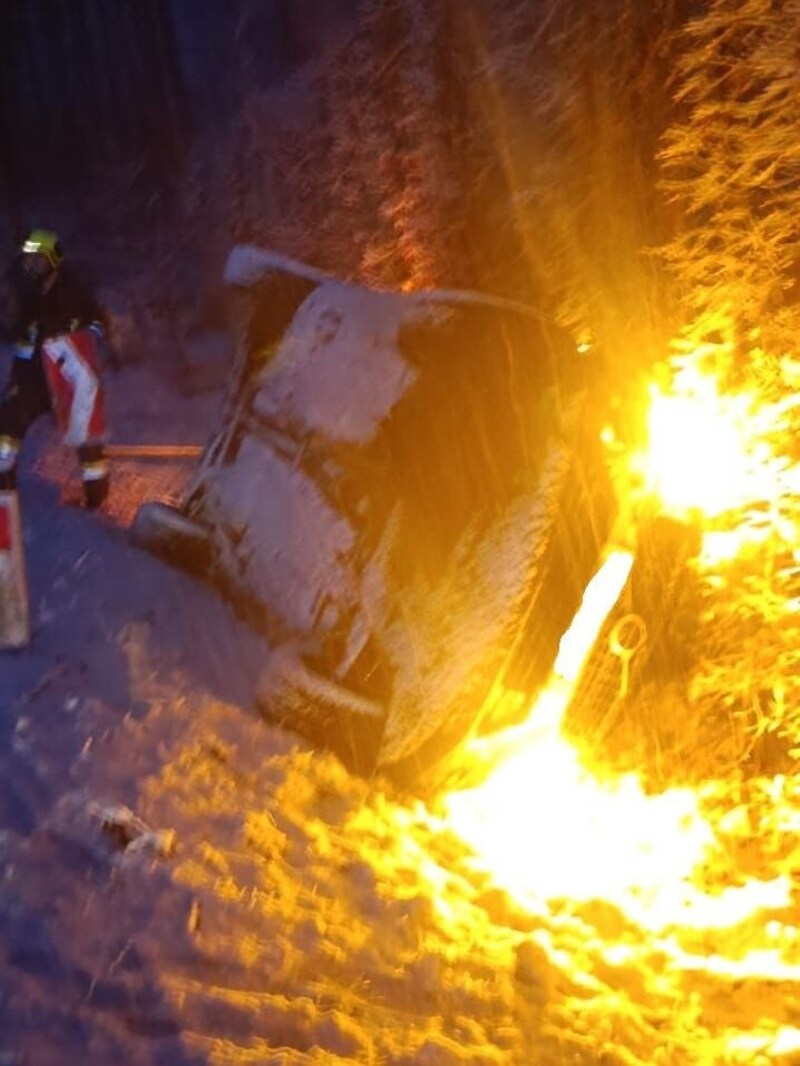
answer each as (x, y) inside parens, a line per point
(247, 264)
(338, 371)
(472, 606)
(337, 374)
(296, 548)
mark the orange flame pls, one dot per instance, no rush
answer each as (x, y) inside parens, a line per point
(542, 822)
(710, 454)
(582, 838)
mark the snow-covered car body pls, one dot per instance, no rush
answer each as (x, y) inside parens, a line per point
(403, 494)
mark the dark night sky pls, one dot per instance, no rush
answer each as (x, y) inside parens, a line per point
(88, 83)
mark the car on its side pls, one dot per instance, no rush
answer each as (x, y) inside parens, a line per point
(406, 492)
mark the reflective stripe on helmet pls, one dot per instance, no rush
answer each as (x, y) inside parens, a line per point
(43, 242)
(95, 470)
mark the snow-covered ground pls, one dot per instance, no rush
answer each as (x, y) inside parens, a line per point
(181, 883)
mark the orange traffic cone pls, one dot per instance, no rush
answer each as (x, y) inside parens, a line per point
(15, 629)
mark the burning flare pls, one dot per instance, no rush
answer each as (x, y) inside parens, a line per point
(704, 452)
(710, 456)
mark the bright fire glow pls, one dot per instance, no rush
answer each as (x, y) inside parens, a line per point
(711, 453)
(582, 838)
(548, 828)
(542, 821)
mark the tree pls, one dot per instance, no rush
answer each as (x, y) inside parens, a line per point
(732, 167)
(507, 145)
(82, 83)
(575, 103)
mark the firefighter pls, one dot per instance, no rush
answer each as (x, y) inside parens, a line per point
(52, 302)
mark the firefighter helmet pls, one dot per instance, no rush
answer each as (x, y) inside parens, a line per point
(43, 242)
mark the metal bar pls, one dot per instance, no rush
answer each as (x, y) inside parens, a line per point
(153, 451)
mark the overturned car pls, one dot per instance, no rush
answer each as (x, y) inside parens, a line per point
(405, 492)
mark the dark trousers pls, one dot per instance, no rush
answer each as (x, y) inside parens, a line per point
(26, 398)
